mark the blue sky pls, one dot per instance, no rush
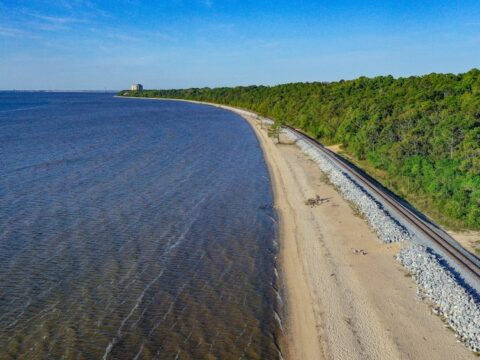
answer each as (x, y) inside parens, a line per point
(87, 44)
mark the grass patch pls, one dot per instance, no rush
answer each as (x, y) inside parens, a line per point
(356, 210)
(477, 247)
(324, 179)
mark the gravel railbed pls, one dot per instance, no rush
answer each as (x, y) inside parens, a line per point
(453, 299)
(385, 225)
(440, 285)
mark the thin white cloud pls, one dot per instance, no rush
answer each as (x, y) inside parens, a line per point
(59, 20)
(11, 32)
(123, 37)
(207, 3)
(158, 34)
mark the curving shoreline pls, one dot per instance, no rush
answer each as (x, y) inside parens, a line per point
(341, 303)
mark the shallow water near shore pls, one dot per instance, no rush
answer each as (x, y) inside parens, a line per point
(133, 229)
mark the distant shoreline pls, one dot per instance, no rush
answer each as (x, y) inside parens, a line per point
(239, 111)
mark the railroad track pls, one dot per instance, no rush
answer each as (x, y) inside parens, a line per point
(464, 259)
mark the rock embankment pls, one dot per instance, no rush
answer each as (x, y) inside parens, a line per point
(452, 298)
(437, 284)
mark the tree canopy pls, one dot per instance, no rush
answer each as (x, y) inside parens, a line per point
(423, 132)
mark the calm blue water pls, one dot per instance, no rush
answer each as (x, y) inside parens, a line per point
(132, 229)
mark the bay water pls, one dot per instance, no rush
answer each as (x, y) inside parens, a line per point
(133, 229)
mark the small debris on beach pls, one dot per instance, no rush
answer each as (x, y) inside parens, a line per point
(316, 201)
(359, 251)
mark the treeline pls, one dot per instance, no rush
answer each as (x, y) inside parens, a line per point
(422, 133)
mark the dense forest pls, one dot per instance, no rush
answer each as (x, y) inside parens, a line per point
(421, 134)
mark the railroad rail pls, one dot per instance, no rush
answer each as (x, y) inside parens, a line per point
(465, 260)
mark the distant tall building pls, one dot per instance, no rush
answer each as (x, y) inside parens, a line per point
(136, 87)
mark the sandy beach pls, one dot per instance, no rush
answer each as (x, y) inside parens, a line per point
(346, 296)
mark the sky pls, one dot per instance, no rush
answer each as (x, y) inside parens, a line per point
(88, 44)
